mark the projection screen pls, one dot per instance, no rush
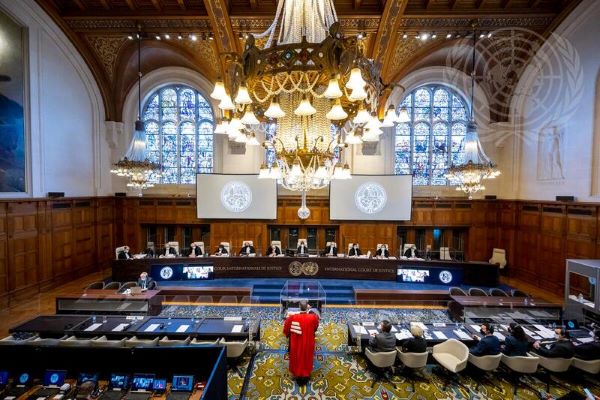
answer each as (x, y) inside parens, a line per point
(371, 197)
(235, 197)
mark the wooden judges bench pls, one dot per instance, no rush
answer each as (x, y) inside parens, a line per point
(473, 273)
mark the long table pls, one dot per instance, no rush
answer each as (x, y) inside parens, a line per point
(97, 301)
(502, 307)
(473, 273)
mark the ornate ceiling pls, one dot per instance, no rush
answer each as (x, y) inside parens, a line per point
(100, 29)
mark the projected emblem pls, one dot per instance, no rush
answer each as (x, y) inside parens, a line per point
(370, 198)
(445, 277)
(236, 196)
(166, 273)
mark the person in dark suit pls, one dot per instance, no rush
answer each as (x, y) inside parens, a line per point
(515, 344)
(354, 250)
(561, 348)
(273, 251)
(589, 351)
(145, 282)
(488, 345)
(383, 341)
(168, 250)
(195, 250)
(383, 251)
(330, 250)
(149, 252)
(221, 250)
(247, 249)
(124, 254)
(416, 344)
(302, 249)
(411, 252)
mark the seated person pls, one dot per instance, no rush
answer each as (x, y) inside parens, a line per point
(247, 249)
(411, 252)
(383, 251)
(589, 351)
(561, 348)
(354, 250)
(515, 344)
(195, 250)
(330, 250)
(221, 250)
(384, 341)
(416, 344)
(273, 251)
(145, 282)
(124, 254)
(488, 345)
(302, 249)
(168, 251)
(149, 252)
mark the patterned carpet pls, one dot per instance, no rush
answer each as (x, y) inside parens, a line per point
(341, 374)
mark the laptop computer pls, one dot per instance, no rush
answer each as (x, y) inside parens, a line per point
(181, 387)
(53, 380)
(87, 383)
(136, 290)
(159, 386)
(117, 385)
(21, 384)
(3, 379)
(141, 386)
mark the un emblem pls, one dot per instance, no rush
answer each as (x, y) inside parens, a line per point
(166, 272)
(370, 198)
(236, 196)
(446, 277)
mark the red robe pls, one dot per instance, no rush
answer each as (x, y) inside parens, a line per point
(301, 328)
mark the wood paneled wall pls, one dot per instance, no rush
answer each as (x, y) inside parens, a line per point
(44, 243)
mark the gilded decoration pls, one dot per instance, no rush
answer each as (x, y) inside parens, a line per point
(107, 49)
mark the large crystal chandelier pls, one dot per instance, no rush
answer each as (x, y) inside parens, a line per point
(314, 84)
(476, 166)
(135, 165)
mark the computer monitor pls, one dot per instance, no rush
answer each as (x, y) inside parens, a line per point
(142, 381)
(3, 378)
(119, 381)
(159, 385)
(182, 383)
(87, 377)
(24, 379)
(54, 377)
(571, 324)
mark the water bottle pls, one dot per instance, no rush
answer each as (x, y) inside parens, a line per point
(580, 297)
(93, 319)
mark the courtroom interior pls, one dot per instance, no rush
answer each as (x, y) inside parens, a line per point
(299, 199)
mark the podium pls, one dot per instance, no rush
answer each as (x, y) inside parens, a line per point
(295, 291)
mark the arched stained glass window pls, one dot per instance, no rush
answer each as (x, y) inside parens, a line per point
(179, 133)
(434, 137)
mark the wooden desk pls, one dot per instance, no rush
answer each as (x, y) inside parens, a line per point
(98, 301)
(503, 301)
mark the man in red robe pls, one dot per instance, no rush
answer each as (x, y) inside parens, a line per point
(300, 329)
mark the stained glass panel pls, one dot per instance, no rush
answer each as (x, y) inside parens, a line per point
(422, 98)
(179, 133)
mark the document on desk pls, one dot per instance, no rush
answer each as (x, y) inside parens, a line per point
(360, 330)
(499, 336)
(394, 329)
(182, 328)
(232, 318)
(476, 327)
(92, 327)
(420, 325)
(151, 328)
(439, 325)
(440, 335)
(585, 339)
(373, 332)
(403, 334)
(461, 334)
(368, 323)
(120, 327)
(237, 328)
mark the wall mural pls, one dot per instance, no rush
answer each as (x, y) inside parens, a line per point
(551, 148)
(12, 98)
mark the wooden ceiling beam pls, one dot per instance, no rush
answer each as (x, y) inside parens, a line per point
(105, 4)
(80, 4)
(386, 36)
(505, 3)
(534, 3)
(451, 4)
(479, 3)
(357, 4)
(131, 5)
(182, 4)
(225, 40)
(254, 4)
(426, 4)
(157, 5)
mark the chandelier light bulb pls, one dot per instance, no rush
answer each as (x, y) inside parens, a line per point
(357, 94)
(236, 124)
(249, 118)
(263, 172)
(333, 89)
(338, 171)
(243, 97)
(275, 171)
(356, 81)
(241, 138)
(370, 135)
(390, 117)
(353, 139)
(321, 172)
(403, 115)
(222, 127)
(274, 111)
(346, 172)
(305, 108)
(296, 171)
(374, 123)
(226, 103)
(219, 91)
(337, 112)
(253, 141)
(362, 116)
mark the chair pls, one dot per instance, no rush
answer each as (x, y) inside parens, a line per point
(246, 300)
(166, 342)
(520, 365)
(453, 356)
(174, 245)
(201, 245)
(445, 254)
(498, 292)
(553, 365)
(11, 340)
(134, 342)
(73, 341)
(227, 247)
(413, 362)
(127, 285)
(95, 285)
(475, 291)
(380, 362)
(118, 250)
(589, 366)
(485, 364)
(228, 299)
(456, 291)
(498, 257)
(196, 342)
(112, 286)
(38, 341)
(103, 341)
(204, 299)
(234, 353)
(406, 247)
(456, 311)
(276, 243)
(518, 293)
